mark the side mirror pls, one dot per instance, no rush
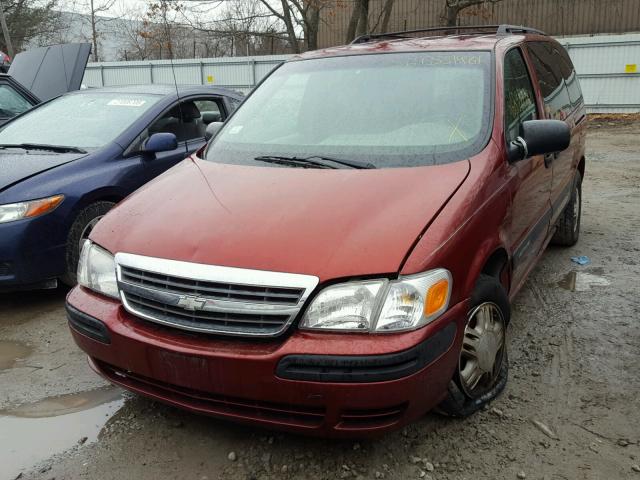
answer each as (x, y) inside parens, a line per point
(160, 142)
(212, 129)
(540, 137)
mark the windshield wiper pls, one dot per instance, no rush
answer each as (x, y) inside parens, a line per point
(292, 161)
(310, 162)
(341, 161)
(41, 146)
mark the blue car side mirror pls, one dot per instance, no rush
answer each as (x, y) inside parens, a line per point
(160, 142)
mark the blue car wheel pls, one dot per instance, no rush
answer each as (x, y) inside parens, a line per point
(79, 232)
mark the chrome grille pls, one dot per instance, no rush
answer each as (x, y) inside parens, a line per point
(226, 291)
(237, 322)
(210, 298)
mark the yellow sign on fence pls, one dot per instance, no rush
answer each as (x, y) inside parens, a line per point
(630, 68)
(210, 79)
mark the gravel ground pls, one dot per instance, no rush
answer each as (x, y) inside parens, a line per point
(571, 409)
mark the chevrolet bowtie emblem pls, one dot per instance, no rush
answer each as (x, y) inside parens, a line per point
(191, 303)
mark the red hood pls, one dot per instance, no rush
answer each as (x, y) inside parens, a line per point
(328, 223)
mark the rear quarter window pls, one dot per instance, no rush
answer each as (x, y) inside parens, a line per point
(549, 66)
(570, 78)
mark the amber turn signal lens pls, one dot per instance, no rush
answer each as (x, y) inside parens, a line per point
(436, 297)
(38, 207)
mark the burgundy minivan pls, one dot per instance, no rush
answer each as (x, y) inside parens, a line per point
(341, 257)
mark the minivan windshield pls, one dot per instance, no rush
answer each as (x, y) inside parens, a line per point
(87, 120)
(387, 110)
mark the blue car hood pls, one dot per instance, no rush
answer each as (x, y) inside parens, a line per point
(17, 165)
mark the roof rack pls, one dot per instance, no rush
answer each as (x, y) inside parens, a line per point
(505, 29)
(499, 29)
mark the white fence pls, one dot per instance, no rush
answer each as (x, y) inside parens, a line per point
(238, 73)
(608, 67)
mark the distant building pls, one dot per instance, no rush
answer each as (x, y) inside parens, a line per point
(555, 17)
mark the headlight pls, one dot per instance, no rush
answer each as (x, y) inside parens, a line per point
(17, 211)
(381, 305)
(97, 270)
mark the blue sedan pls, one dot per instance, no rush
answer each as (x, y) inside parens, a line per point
(65, 163)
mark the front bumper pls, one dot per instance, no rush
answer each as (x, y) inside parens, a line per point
(31, 254)
(332, 394)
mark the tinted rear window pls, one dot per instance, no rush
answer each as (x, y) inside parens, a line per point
(549, 68)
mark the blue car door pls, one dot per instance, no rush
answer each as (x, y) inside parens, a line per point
(188, 121)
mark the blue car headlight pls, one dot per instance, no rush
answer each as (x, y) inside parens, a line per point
(17, 211)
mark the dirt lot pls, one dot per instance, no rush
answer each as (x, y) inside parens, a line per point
(571, 409)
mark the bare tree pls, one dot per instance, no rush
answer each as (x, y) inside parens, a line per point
(360, 24)
(171, 28)
(359, 13)
(386, 15)
(235, 27)
(96, 7)
(300, 14)
(453, 8)
(29, 20)
(287, 18)
(134, 33)
(5, 32)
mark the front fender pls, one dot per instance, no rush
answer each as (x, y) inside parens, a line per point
(469, 229)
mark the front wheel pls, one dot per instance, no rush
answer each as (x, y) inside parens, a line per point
(80, 230)
(483, 366)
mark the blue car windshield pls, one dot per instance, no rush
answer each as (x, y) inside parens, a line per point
(88, 120)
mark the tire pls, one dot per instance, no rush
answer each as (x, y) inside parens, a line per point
(79, 231)
(488, 300)
(568, 227)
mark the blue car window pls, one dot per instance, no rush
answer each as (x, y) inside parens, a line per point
(87, 120)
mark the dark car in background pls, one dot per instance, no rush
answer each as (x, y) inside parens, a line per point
(5, 62)
(40, 74)
(14, 98)
(65, 163)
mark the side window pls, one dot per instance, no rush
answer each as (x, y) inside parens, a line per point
(189, 120)
(11, 102)
(548, 65)
(570, 78)
(519, 99)
(210, 111)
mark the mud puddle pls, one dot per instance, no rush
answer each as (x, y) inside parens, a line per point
(12, 352)
(582, 281)
(32, 433)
